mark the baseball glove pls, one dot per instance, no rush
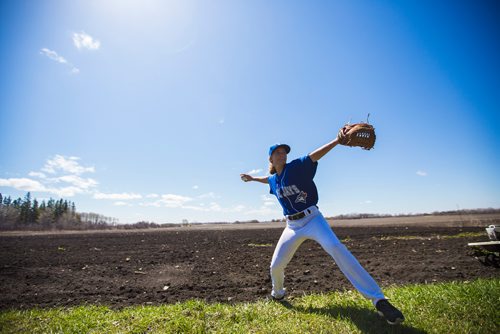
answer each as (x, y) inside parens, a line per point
(359, 134)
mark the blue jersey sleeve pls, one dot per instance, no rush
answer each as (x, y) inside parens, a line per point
(271, 185)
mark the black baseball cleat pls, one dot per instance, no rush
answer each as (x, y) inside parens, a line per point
(389, 312)
(276, 299)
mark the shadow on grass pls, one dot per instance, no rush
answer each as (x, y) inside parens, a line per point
(367, 321)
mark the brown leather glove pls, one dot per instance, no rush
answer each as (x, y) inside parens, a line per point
(359, 134)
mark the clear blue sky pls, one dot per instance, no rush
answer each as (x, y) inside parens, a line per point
(150, 110)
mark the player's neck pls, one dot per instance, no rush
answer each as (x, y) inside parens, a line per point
(279, 169)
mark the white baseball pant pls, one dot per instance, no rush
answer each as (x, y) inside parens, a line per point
(315, 227)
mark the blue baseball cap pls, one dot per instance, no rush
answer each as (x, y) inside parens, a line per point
(275, 146)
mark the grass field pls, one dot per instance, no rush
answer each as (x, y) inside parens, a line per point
(457, 307)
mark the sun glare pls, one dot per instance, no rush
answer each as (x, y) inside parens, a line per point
(171, 22)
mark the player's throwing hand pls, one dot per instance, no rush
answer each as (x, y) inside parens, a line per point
(246, 177)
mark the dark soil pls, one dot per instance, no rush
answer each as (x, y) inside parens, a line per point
(156, 267)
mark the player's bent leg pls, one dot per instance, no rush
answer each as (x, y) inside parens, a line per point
(346, 262)
(287, 245)
(320, 231)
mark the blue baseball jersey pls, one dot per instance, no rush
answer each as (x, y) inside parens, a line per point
(295, 188)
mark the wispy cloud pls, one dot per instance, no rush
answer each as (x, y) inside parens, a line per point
(192, 203)
(66, 164)
(169, 201)
(30, 185)
(421, 173)
(24, 184)
(185, 47)
(254, 171)
(83, 40)
(268, 207)
(214, 207)
(208, 195)
(53, 55)
(265, 210)
(77, 181)
(37, 174)
(120, 203)
(65, 191)
(60, 59)
(268, 200)
(122, 196)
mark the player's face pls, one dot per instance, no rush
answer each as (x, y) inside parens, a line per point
(279, 156)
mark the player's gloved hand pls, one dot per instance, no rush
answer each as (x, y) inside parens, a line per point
(359, 134)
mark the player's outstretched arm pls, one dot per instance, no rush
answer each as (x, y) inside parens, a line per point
(321, 151)
(247, 177)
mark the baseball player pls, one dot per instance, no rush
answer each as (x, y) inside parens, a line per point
(292, 183)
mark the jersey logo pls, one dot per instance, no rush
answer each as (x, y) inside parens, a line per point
(301, 197)
(287, 191)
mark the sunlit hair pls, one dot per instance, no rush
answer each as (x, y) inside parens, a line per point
(272, 170)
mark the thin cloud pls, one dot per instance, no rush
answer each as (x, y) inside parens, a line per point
(24, 184)
(268, 207)
(169, 201)
(265, 210)
(119, 203)
(65, 191)
(78, 181)
(267, 198)
(268, 201)
(185, 47)
(238, 208)
(53, 55)
(60, 59)
(122, 196)
(37, 174)
(191, 203)
(83, 40)
(213, 207)
(208, 195)
(254, 171)
(421, 173)
(66, 164)
(30, 185)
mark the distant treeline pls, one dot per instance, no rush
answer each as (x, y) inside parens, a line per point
(30, 214)
(435, 213)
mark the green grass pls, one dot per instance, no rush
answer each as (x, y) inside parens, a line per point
(435, 236)
(461, 307)
(260, 245)
(465, 235)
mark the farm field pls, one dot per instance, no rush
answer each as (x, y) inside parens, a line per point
(221, 264)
